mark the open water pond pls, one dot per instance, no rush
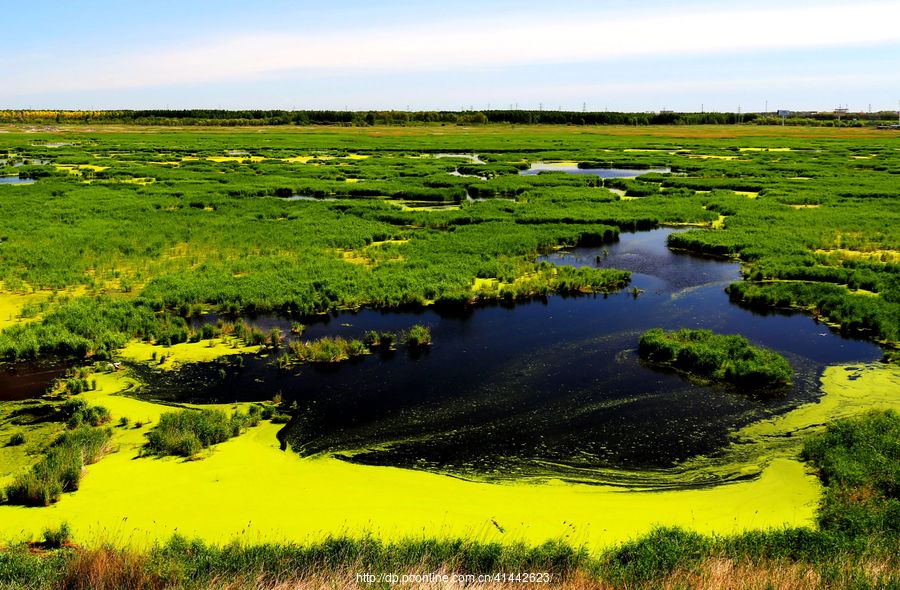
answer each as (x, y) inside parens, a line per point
(549, 388)
(28, 380)
(15, 180)
(568, 168)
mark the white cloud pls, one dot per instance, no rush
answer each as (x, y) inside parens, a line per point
(465, 45)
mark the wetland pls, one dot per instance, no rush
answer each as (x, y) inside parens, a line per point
(154, 270)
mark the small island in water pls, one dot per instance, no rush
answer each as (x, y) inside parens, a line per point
(703, 354)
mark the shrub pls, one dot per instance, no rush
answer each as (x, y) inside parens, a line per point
(56, 538)
(78, 412)
(859, 461)
(186, 433)
(382, 340)
(16, 440)
(418, 336)
(715, 356)
(328, 350)
(656, 555)
(60, 470)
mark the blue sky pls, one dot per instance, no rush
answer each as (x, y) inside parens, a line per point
(641, 55)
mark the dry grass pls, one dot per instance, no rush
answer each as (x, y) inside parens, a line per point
(721, 574)
(106, 568)
(110, 569)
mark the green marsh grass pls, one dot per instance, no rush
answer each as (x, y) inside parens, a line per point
(187, 432)
(717, 357)
(61, 468)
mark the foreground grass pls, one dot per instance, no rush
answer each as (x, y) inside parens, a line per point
(857, 459)
(666, 558)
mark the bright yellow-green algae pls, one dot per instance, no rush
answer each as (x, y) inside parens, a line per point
(247, 489)
(184, 352)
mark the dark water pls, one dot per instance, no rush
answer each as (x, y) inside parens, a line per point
(21, 381)
(539, 167)
(550, 387)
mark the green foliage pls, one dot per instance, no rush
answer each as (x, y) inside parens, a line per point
(185, 433)
(418, 336)
(328, 350)
(16, 440)
(60, 469)
(718, 357)
(821, 234)
(379, 340)
(859, 461)
(56, 538)
(77, 412)
(656, 555)
(856, 313)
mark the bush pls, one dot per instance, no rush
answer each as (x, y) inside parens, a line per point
(16, 440)
(382, 340)
(187, 432)
(61, 468)
(859, 461)
(718, 357)
(328, 350)
(656, 555)
(418, 336)
(77, 412)
(56, 538)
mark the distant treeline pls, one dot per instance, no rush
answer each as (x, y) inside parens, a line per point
(371, 118)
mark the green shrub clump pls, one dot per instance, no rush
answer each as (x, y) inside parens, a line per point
(718, 357)
(418, 336)
(185, 433)
(328, 350)
(56, 538)
(77, 412)
(859, 462)
(61, 468)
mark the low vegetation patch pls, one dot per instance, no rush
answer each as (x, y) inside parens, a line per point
(717, 357)
(77, 412)
(328, 350)
(187, 432)
(61, 468)
(859, 460)
(337, 349)
(418, 336)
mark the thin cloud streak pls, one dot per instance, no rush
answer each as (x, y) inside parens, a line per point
(467, 46)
